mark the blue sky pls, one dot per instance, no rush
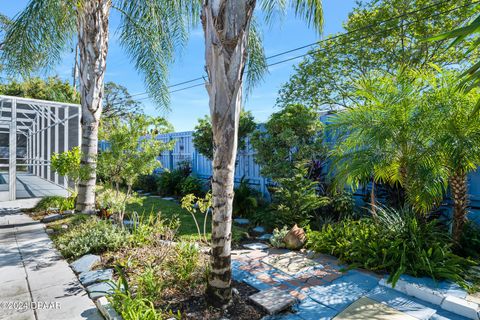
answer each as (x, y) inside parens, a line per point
(189, 105)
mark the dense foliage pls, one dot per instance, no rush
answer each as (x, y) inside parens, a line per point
(92, 236)
(52, 89)
(291, 136)
(377, 40)
(397, 242)
(203, 135)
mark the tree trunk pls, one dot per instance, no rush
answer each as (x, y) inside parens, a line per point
(372, 200)
(226, 24)
(458, 185)
(93, 46)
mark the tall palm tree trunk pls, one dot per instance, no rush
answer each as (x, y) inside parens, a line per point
(458, 185)
(93, 46)
(226, 24)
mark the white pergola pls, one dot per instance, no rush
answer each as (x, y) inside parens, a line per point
(30, 132)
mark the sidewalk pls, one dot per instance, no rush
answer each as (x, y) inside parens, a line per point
(35, 282)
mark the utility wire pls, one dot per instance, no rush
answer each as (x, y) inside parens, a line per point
(338, 36)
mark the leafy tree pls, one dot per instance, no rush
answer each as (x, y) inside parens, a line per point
(232, 43)
(149, 32)
(203, 135)
(118, 102)
(132, 151)
(456, 136)
(67, 164)
(53, 89)
(377, 40)
(291, 136)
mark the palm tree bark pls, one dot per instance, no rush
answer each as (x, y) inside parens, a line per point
(93, 19)
(226, 25)
(458, 185)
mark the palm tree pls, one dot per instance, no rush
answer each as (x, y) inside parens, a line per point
(456, 137)
(383, 137)
(227, 26)
(149, 32)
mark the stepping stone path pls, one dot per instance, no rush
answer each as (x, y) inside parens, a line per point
(85, 263)
(290, 263)
(323, 289)
(241, 221)
(365, 308)
(98, 290)
(169, 198)
(273, 300)
(90, 277)
(256, 246)
(259, 229)
(265, 237)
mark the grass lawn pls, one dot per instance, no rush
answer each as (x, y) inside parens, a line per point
(171, 209)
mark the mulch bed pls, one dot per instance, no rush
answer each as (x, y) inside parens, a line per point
(241, 308)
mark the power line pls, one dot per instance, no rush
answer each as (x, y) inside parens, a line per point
(341, 35)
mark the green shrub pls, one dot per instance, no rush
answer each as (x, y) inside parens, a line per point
(296, 198)
(147, 183)
(191, 185)
(135, 306)
(185, 264)
(396, 243)
(150, 227)
(245, 200)
(342, 204)
(470, 241)
(62, 203)
(92, 236)
(277, 237)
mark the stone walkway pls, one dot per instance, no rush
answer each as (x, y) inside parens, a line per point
(35, 282)
(322, 291)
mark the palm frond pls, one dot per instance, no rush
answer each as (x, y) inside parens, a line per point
(256, 63)
(471, 76)
(38, 36)
(150, 32)
(311, 11)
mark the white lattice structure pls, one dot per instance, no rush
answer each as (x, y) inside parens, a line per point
(30, 132)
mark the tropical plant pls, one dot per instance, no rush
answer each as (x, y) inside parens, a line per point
(456, 137)
(131, 152)
(203, 135)
(277, 237)
(296, 198)
(386, 136)
(169, 183)
(232, 42)
(291, 136)
(67, 164)
(396, 242)
(149, 32)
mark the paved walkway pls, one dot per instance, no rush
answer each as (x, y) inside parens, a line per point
(324, 292)
(35, 282)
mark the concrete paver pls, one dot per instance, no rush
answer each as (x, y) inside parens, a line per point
(35, 282)
(323, 291)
